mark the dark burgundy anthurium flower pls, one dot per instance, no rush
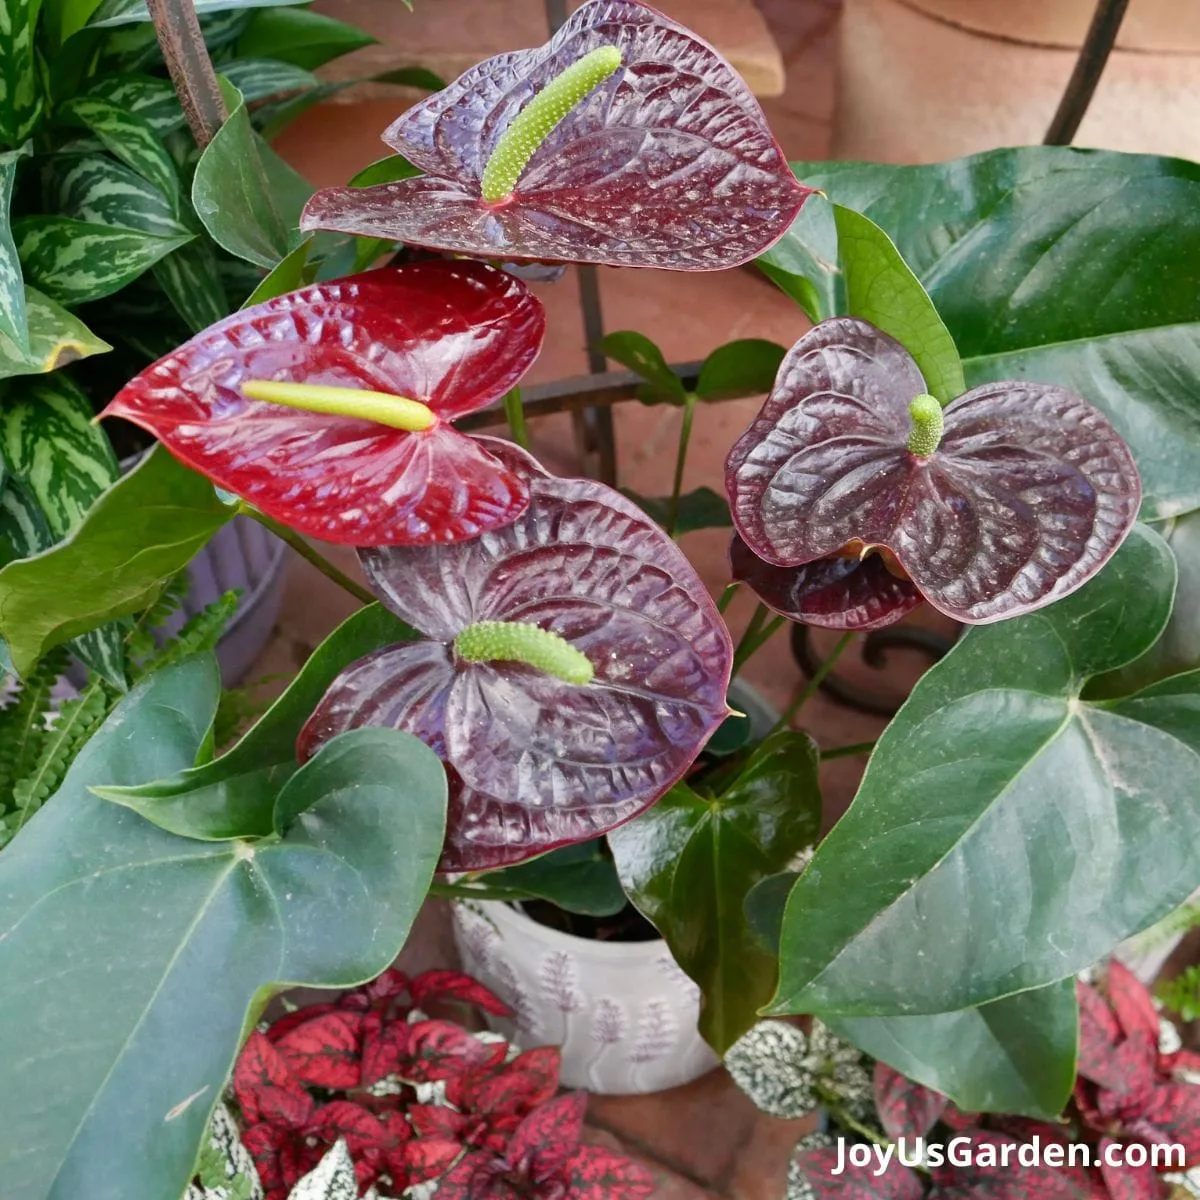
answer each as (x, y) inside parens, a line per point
(625, 140)
(573, 667)
(430, 342)
(842, 591)
(1009, 499)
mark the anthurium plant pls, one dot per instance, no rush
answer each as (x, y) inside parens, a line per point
(993, 414)
(1131, 1130)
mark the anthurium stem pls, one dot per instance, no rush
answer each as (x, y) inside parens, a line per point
(758, 632)
(808, 692)
(519, 641)
(685, 436)
(514, 410)
(727, 596)
(927, 424)
(306, 552)
(534, 123)
(397, 412)
(848, 751)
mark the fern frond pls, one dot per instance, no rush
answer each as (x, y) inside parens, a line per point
(77, 720)
(23, 724)
(141, 642)
(1182, 994)
(201, 633)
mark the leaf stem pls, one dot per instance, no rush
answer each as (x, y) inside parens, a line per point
(848, 751)
(306, 552)
(727, 596)
(809, 691)
(514, 410)
(685, 436)
(757, 633)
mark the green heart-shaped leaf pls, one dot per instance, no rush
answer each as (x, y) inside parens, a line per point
(133, 961)
(1007, 832)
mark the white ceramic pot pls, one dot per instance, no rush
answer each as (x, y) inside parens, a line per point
(624, 1013)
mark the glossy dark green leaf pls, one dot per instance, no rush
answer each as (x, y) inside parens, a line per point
(291, 272)
(1062, 266)
(746, 367)
(804, 263)
(688, 863)
(384, 170)
(140, 533)
(1008, 833)
(164, 950)
(129, 137)
(644, 358)
(881, 289)
(56, 338)
(20, 96)
(699, 509)
(233, 796)
(765, 903)
(578, 878)
(1015, 1055)
(1178, 649)
(75, 262)
(192, 281)
(248, 198)
(300, 36)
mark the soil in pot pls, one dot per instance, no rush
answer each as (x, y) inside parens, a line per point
(626, 926)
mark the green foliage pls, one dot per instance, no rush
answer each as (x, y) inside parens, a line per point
(150, 934)
(248, 198)
(233, 796)
(136, 537)
(638, 353)
(1074, 267)
(689, 862)
(881, 289)
(1181, 995)
(39, 739)
(1014, 1055)
(701, 508)
(999, 803)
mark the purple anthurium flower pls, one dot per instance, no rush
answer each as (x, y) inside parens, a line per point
(572, 668)
(1009, 499)
(843, 591)
(625, 140)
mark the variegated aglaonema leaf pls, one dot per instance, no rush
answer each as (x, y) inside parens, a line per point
(660, 158)
(63, 463)
(454, 336)
(841, 591)
(1021, 498)
(535, 761)
(56, 338)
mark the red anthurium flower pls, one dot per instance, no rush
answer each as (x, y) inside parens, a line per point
(843, 591)
(626, 140)
(574, 667)
(1010, 499)
(453, 336)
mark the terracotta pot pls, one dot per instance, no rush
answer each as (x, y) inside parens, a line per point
(926, 80)
(623, 1012)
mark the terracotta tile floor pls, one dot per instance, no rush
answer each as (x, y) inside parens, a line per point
(705, 1140)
